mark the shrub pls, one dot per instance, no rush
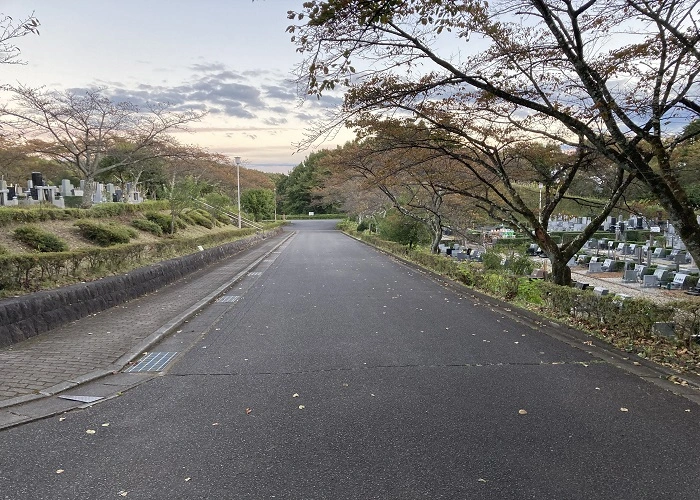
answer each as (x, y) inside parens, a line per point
(162, 220)
(348, 225)
(492, 260)
(186, 217)
(521, 265)
(3, 250)
(529, 291)
(147, 225)
(39, 239)
(201, 218)
(105, 234)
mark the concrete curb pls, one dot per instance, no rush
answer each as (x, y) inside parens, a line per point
(145, 345)
(27, 316)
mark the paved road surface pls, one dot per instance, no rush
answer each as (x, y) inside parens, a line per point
(339, 373)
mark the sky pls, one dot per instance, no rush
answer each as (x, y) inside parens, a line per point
(230, 57)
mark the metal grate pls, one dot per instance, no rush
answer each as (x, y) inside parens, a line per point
(229, 298)
(82, 399)
(153, 362)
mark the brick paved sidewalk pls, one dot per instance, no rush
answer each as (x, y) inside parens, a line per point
(90, 347)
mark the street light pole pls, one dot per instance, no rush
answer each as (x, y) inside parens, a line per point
(540, 213)
(237, 161)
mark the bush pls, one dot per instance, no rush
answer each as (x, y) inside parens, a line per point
(3, 250)
(201, 218)
(161, 219)
(186, 218)
(520, 265)
(348, 225)
(105, 234)
(39, 239)
(147, 225)
(492, 260)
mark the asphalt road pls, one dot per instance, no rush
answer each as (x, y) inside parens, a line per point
(339, 373)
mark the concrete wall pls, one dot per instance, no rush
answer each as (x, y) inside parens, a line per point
(29, 315)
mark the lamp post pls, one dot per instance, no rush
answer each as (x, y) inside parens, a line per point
(237, 161)
(275, 204)
(540, 213)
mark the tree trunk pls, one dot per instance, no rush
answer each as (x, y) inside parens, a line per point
(87, 193)
(437, 237)
(561, 273)
(686, 225)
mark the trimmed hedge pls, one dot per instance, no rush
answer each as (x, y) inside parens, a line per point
(9, 215)
(161, 219)
(105, 234)
(29, 271)
(201, 218)
(317, 216)
(148, 226)
(40, 240)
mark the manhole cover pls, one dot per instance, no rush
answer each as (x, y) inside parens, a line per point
(153, 362)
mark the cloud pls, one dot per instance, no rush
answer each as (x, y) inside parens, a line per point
(275, 121)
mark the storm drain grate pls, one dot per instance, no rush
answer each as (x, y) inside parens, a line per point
(153, 362)
(229, 298)
(255, 274)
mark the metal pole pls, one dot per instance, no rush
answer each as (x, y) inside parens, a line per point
(540, 214)
(275, 204)
(237, 160)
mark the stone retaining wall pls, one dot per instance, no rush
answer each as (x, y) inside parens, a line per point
(29, 315)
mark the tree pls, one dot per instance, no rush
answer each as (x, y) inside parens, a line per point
(259, 202)
(413, 192)
(82, 129)
(404, 229)
(419, 168)
(9, 31)
(181, 194)
(543, 70)
(300, 191)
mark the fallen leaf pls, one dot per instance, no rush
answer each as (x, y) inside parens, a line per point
(624, 409)
(301, 407)
(61, 419)
(123, 493)
(59, 471)
(481, 480)
(248, 411)
(636, 363)
(187, 479)
(106, 424)
(688, 410)
(90, 431)
(215, 423)
(522, 412)
(295, 395)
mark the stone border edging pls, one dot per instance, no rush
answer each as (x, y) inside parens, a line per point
(29, 315)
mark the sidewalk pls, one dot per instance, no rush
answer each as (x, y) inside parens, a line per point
(98, 345)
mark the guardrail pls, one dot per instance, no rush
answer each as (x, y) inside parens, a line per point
(231, 216)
